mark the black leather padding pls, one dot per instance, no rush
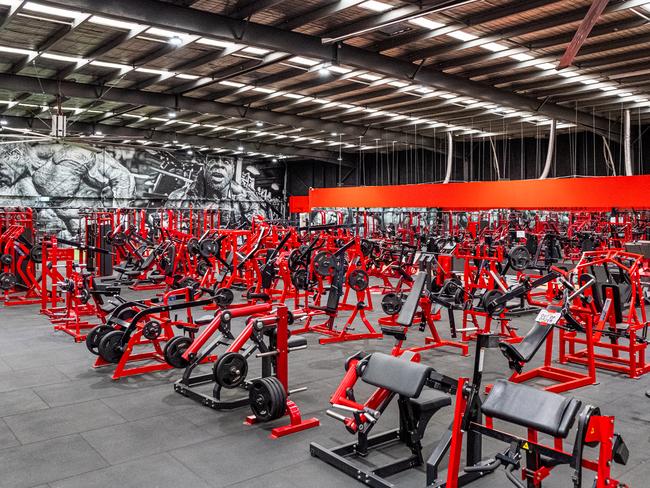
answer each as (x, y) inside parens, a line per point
(407, 314)
(296, 341)
(204, 319)
(430, 399)
(396, 374)
(529, 407)
(530, 344)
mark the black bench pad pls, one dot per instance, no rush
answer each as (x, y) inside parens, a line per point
(407, 314)
(430, 399)
(296, 341)
(398, 375)
(204, 319)
(529, 407)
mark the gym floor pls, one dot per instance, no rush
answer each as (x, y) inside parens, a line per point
(65, 424)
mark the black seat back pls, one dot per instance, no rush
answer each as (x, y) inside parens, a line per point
(615, 291)
(397, 374)
(525, 350)
(529, 407)
(407, 313)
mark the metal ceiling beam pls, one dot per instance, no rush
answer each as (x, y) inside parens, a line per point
(543, 23)
(168, 137)
(585, 27)
(247, 8)
(471, 20)
(316, 14)
(375, 22)
(175, 102)
(214, 25)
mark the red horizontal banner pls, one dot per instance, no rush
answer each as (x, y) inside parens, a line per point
(598, 193)
(298, 204)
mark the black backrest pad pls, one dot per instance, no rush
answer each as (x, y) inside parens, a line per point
(528, 347)
(529, 407)
(396, 374)
(407, 314)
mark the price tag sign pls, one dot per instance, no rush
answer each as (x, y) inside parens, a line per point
(521, 234)
(547, 317)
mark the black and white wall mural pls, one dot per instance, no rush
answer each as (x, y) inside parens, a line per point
(61, 179)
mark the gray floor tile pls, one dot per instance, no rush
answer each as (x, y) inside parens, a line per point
(46, 461)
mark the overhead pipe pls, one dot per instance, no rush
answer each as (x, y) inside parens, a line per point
(550, 154)
(627, 143)
(450, 157)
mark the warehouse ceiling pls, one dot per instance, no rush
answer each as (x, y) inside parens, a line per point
(318, 79)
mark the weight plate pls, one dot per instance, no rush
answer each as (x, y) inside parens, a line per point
(6, 259)
(230, 370)
(152, 330)
(295, 260)
(7, 281)
(36, 254)
(391, 303)
(193, 247)
(209, 248)
(325, 264)
(300, 279)
(519, 257)
(358, 280)
(109, 348)
(366, 247)
(267, 398)
(96, 335)
(84, 296)
(202, 267)
(174, 350)
(224, 297)
(488, 302)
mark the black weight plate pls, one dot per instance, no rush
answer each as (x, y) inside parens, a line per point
(209, 248)
(224, 297)
(152, 330)
(109, 346)
(300, 279)
(295, 260)
(174, 350)
(6, 259)
(36, 254)
(202, 267)
(391, 303)
(193, 247)
(358, 280)
(7, 281)
(519, 257)
(267, 398)
(487, 302)
(95, 336)
(230, 370)
(325, 263)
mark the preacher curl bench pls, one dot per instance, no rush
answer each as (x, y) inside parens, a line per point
(403, 377)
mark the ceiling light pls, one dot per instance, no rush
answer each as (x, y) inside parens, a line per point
(462, 36)
(304, 61)
(171, 115)
(426, 23)
(494, 47)
(4, 122)
(190, 152)
(376, 6)
(255, 50)
(521, 57)
(259, 124)
(118, 24)
(240, 148)
(175, 41)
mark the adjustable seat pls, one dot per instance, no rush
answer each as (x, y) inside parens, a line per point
(529, 407)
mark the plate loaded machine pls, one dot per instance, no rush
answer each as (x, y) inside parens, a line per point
(267, 332)
(540, 413)
(402, 377)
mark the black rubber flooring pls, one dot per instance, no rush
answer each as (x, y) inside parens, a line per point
(64, 424)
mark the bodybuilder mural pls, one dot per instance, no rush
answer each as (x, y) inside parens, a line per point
(61, 179)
